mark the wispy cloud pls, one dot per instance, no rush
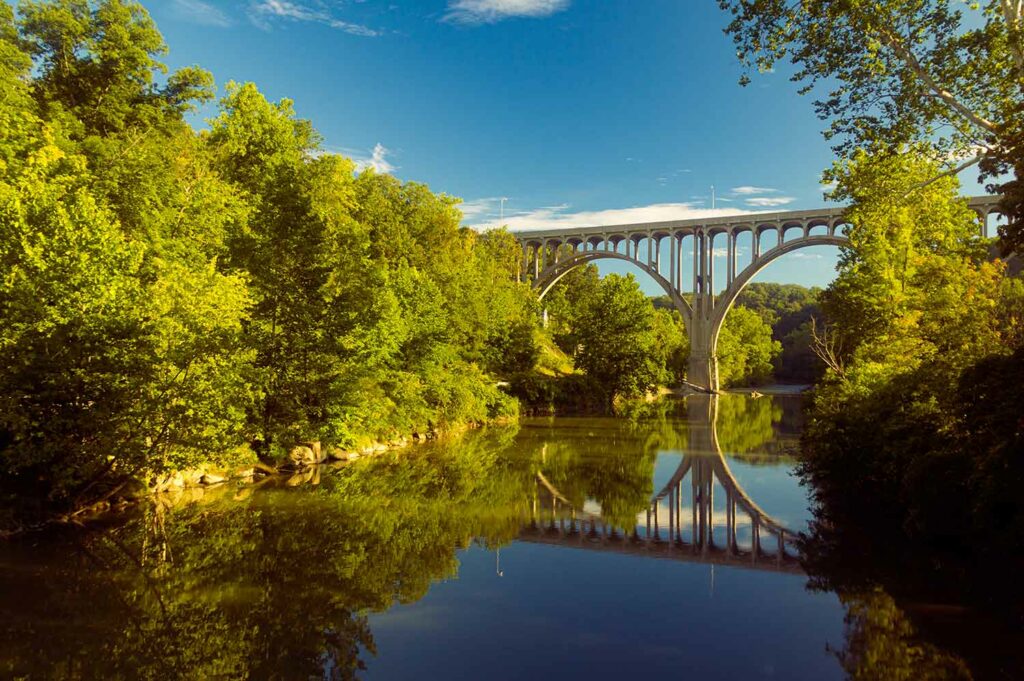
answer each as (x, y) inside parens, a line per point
(748, 190)
(262, 12)
(477, 209)
(769, 201)
(476, 12)
(199, 12)
(376, 160)
(561, 217)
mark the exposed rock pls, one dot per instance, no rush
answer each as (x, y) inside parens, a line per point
(169, 482)
(192, 477)
(264, 468)
(245, 472)
(302, 456)
(318, 451)
(380, 447)
(337, 454)
(301, 477)
(213, 479)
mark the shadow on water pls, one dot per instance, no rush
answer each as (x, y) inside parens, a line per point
(283, 582)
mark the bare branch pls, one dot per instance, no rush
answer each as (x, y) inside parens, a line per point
(828, 347)
(952, 171)
(1013, 14)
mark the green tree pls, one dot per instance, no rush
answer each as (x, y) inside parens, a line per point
(896, 73)
(789, 309)
(922, 326)
(913, 281)
(745, 348)
(617, 341)
(124, 357)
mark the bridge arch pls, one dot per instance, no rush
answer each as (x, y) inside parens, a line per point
(729, 296)
(704, 463)
(553, 274)
(702, 310)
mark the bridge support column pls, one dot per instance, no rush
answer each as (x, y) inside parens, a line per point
(703, 368)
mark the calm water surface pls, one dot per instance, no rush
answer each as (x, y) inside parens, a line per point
(594, 548)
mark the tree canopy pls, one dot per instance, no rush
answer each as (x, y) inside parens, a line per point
(171, 295)
(894, 73)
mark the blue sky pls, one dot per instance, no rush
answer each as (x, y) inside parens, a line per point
(579, 111)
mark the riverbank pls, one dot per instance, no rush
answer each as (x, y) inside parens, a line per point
(303, 465)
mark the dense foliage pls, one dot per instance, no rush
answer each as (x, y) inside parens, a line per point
(618, 341)
(920, 408)
(169, 296)
(947, 73)
(745, 349)
(790, 309)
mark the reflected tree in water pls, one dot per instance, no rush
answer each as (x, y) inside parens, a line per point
(274, 586)
(882, 645)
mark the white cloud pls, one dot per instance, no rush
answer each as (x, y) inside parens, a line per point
(377, 160)
(769, 201)
(748, 190)
(560, 217)
(261, 11)
(199, 12)
(480, 208)
(476, 12)
(809, 256)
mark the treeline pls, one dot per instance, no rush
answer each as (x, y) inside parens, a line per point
(791, 311)
(171, 297)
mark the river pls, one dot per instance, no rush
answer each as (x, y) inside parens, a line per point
(663, 542)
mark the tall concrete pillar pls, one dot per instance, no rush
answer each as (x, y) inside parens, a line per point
(731, 254)
(703, 366)
(696, 268)
(673, 262)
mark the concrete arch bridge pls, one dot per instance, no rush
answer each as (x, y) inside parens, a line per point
(681, 521)
(657, 249)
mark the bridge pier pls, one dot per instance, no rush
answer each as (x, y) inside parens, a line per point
(702, 371)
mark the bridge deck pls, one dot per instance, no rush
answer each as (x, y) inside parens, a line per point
(663, 550)
(982, 204)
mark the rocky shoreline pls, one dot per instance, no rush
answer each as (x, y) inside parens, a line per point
(304, 465)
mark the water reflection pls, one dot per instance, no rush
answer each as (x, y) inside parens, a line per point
(325, 575)
(667, 528)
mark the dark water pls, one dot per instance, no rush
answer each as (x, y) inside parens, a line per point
(592, 548)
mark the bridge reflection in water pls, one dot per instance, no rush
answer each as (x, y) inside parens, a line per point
(668, 529)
